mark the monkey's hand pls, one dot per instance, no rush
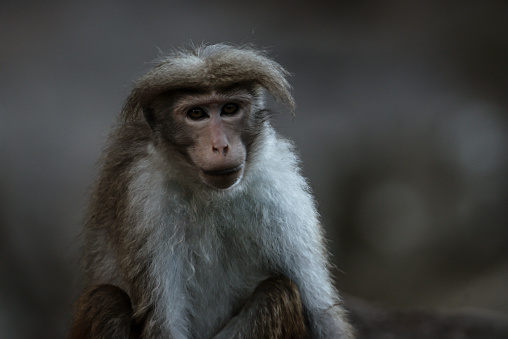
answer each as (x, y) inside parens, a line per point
(273, 311)
(104, 311)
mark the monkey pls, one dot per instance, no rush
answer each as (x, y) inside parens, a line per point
(200, 223)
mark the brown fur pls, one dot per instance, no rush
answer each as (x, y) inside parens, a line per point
(209, 67)
(104, 311)
(278, 310)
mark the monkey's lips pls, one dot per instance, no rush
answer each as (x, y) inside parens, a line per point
(222, 178)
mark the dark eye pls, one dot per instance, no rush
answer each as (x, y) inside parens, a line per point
(229, 109)
(196, 113)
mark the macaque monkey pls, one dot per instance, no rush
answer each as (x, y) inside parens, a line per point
(200, 224)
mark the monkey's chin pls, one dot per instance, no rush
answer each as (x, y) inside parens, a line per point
(223, 178)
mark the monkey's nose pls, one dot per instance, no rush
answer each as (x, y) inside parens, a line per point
(221, 150)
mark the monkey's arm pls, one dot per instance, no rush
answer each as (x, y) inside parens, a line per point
(298, 252)
(136, 251)
(151, 304)
(322, 306)
(273, 311)
(302, 258)
(156, 291)
(289, 223)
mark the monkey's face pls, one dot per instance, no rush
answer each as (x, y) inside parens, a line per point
(209, 130)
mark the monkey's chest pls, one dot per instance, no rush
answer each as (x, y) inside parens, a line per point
(221, 283)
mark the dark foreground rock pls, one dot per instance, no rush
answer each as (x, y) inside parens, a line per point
(376, 322)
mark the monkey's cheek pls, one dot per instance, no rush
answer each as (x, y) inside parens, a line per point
(222, 181)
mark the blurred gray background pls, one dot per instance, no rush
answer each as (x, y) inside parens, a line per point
(402, 126)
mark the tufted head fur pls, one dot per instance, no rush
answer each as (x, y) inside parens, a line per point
(210, 67)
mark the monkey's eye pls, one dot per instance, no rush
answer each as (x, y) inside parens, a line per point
(196, 113)
(229, 109)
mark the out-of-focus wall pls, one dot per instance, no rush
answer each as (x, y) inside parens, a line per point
(402, 127)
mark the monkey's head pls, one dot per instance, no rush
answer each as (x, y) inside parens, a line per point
(206, 106)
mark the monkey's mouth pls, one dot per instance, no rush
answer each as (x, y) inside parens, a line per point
(224, 172)
(222, 178)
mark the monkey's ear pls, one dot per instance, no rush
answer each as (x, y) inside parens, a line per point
(149, 117)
